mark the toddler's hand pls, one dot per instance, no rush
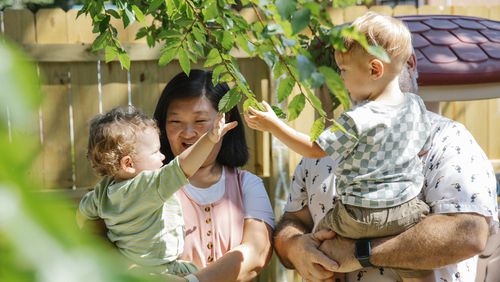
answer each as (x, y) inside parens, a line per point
(263, 121)
(220, 127)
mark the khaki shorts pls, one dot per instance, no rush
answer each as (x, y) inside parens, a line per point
(357, 222)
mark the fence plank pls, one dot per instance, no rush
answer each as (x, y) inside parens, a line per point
(493, 132)
(494, 13)
(256, 72)
(84, 86)
(475, 11)
(383, 10)
(79, 29)
(56, 151)
(114, 86)
(433, 10)
(353, 12)
(145, 86)
(19, 25)
(402, 10)
(336, 15)
(51, 26)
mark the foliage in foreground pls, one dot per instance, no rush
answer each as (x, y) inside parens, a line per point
(39, 240)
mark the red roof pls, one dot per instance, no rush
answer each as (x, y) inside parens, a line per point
(455, 49)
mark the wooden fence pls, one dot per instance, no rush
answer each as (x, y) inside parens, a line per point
(77, 85)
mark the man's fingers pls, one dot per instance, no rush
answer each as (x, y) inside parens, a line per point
(325, 262)
(324, 234)
(320, 273)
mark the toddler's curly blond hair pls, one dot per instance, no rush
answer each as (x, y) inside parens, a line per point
(112, 136)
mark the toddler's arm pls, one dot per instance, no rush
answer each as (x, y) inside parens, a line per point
(297, 141)
(193, 157)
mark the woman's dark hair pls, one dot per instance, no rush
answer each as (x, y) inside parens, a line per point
(234, 151)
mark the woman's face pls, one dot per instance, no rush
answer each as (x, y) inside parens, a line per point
(187, 120)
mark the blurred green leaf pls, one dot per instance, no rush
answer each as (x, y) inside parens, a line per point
(296, 106)
(286, 8)
(213, 58)
(184, 61)
(336, 86)
(279, 112)
(317, 128)
(230, 99)
(285, 88)
(300, 20)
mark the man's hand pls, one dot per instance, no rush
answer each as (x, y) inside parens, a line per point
(263, 121)
(308, 260)
(341, 250)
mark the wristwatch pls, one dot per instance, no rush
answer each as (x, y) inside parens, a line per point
(363, 251)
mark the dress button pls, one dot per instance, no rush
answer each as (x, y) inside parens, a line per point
(207, 209)
(210, 245)
(209, 232)
(208, 221)
(210, 259)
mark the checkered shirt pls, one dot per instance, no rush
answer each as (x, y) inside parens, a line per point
(378, 158)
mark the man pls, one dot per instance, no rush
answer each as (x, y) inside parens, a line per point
(459, 188)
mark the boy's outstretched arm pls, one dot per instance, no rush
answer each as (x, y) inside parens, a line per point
(297, 141)
(193, 157)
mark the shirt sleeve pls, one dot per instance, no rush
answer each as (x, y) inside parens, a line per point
(458, 176)
(165, 181)
(255, 199)
(88, 205)
(339, 143)
(298, 197)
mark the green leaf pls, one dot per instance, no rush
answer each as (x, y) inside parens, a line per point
(100, 42)
(124, 60)
(216, 73)
(315, 102)
(128, 17)
(300, 19)
(286, 8)
(379, 52)
(231, 99)
(317, 128)
(167, 56)
(278, 69)
(110, 53)
(113, 13)
(155, 4)
(285, 88)
(305, 67)
(184, 61)
(227, 40)
(250, 102)
(279, 112)
(296, 106)
(211, 10)
(213, 58)
(336, 86)
(138, 14)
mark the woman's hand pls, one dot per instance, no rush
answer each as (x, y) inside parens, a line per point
(263, 121)
(220, 127)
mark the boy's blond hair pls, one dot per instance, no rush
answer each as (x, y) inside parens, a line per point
(385, 31)
(112, 136)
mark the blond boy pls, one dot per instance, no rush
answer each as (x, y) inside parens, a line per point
(379, 174)
(135, 197)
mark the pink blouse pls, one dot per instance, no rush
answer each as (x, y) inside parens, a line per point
(212, 230)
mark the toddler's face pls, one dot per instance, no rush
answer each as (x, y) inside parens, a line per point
(147, 155)
(355, 72)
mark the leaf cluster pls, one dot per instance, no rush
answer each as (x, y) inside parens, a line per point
(295, 38)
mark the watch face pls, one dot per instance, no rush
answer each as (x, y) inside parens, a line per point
(363, 248)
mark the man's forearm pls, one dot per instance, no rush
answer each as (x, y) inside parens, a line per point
(289, 227)
(436, 241)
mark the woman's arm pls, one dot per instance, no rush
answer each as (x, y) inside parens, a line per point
(244, 262)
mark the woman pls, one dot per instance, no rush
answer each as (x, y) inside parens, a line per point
(227, 213)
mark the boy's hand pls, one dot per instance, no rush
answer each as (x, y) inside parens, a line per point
(263, 121)
(220, 127)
